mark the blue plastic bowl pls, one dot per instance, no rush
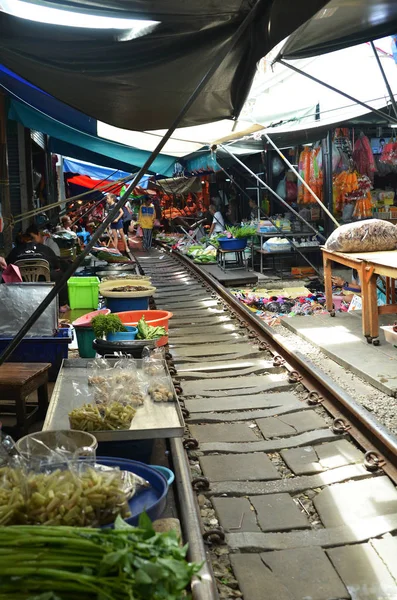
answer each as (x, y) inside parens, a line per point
(232, 244)
(152, 500)
(168, 474)
(123, 336)
(116, 305)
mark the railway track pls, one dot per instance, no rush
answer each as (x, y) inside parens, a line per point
(295, 480)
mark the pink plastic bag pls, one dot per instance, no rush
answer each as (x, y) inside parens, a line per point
(12, 274)
(139, 232)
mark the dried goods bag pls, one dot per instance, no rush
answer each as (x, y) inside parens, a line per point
(371, 235)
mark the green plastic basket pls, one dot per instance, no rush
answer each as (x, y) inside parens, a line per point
(85, 337)
(83, 292)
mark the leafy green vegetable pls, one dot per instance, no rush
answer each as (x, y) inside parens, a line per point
(148, 332)
(242, 232)
(71, 563)
(104, 324)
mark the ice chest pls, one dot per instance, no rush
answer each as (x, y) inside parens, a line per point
(83, 292)
(40, 350)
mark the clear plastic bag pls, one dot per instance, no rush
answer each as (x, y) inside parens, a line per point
(372, 235)
(160, 389)
(153, 362)
(12, 492)
(76, 494)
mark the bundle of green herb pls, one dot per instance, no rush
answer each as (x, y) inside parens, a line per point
(66, 563)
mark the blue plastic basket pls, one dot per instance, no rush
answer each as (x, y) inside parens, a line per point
(125, 304)
(232, 244)
(152, 500)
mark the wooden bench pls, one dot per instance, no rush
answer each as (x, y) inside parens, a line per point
(17, 382)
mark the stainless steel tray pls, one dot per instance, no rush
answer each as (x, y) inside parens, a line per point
(152, 420)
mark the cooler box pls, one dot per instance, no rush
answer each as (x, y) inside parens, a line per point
(83, 292)
(40, 350)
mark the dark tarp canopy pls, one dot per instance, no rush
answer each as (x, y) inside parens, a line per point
(143, 83)
(341, 24)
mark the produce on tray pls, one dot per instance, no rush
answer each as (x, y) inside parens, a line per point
(91, 564)
(374, 235)
(148, 332)
(102, 417)
(77, 496)
(160, 392)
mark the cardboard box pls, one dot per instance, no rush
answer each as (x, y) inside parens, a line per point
(302, 271)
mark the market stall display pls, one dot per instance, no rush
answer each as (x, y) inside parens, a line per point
(147, 419)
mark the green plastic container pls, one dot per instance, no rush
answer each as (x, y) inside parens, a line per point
(85, 337)
(83, 292)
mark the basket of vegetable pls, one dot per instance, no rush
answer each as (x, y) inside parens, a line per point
(236, 238)
(111, 327)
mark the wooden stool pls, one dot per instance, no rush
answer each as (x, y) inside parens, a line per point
(237, 263)
(17, 381)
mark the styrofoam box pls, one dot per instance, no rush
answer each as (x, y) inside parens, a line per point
(390, 335)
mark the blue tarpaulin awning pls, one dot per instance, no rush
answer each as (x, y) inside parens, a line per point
(38, 121)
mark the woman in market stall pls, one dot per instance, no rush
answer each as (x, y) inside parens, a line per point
(218, 222)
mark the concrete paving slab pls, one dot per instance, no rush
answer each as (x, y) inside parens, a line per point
(363, 572)
(235, 514)
(290, 485)
(223, 432)
(278, 512)
(246, 402)
(341, 339)
(357, 500)
(256, 581)
(244, 467)
(215, 349)
(250, 384)
(324, 538)
(314, 459)
(236, 372)
(229, 338)
(246, 415)
(323, 435)
(306, 573)
(223, 328)
(291, 424)
(386, 548)
(212, 368)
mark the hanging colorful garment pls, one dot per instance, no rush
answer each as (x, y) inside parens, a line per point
(363, 157)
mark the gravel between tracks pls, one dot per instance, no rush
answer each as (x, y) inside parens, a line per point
(380, 404)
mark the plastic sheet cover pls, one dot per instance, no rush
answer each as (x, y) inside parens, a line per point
(18, 301)
(143, 83)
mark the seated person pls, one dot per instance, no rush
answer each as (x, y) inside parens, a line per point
(39, 238)
(25, 250)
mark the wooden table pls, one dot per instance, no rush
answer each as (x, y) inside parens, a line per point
(369, 266)
(17, 381)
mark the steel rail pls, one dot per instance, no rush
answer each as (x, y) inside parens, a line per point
(371, 435)
(204, 586)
